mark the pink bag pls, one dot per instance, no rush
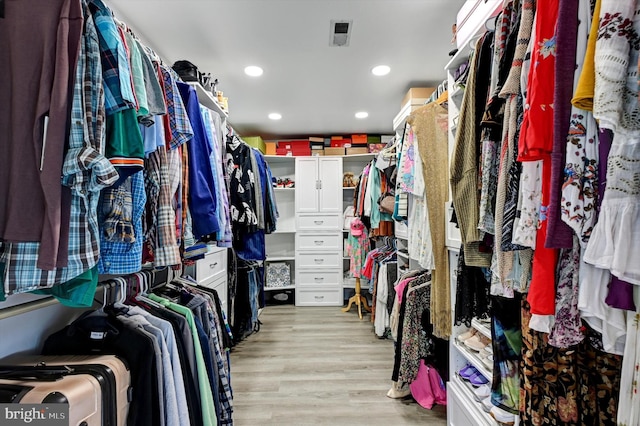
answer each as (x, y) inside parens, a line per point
(428, 388)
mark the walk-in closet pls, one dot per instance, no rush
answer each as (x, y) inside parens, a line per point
(331, 212)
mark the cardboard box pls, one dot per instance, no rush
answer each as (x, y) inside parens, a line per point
(417, 95)
(385, 139)
(358, 139)
(333, 138)
(354, 151)
(317, 146)
(317, 152)
(294, 144)
(334, 151)
(315, 139)
(256, 142)
(270, 148)
(374, 139)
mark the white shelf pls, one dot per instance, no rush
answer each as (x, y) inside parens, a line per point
(348, 187)
(206, 98)
(481, 327)
(467, 393)
(284, 189)
(403, 255)
(279, 258)
(283, 231)
(289, 287)
(366, 156)
(474, 360)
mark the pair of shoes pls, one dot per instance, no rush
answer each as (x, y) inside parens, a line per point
(482, 393)
(486, 404)
(477, 342)
(483, 353)
(473, 376)
(466, 335)
(503, 417)
(488, 362)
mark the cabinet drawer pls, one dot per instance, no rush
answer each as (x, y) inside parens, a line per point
(319, 241)
(319, 297)
(317, 222)
(319, 278)
(213, 264)
(319, 260)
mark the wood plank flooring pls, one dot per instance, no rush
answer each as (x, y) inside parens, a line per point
(310, 366)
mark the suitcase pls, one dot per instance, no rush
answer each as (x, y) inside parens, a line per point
(111, 373)
(34, 386)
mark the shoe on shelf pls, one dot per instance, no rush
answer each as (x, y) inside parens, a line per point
(467, 372)
(487, 405)
(483, 353)
(466, 335)
(478, 379)
(488, 362)
(475, 343)
(503, 417)
(482, 392)
(489, 348)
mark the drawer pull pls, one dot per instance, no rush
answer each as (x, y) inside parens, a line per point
(318, 222)
(319, 297)
(213, 265)
(318, 260)
(319, 242)
(319, 278)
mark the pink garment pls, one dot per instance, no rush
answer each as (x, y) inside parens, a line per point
(401, 286)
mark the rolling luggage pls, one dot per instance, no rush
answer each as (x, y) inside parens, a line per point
(108, 370)
(81, 392)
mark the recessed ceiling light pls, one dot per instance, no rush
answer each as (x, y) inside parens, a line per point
(380, 70)
(253, 71)
(362, 114)
(275, 116)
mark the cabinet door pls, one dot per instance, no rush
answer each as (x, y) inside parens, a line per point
(306, 185)
(330, 175)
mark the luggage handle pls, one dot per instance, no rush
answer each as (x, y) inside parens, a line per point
(39, 373)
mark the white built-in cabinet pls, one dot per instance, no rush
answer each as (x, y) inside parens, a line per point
(319, 231)
(319, 183)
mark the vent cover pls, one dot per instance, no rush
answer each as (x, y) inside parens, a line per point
(340, 33)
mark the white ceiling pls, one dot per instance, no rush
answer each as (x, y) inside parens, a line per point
(316, 88)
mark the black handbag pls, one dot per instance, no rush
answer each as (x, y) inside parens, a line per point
(186, 70)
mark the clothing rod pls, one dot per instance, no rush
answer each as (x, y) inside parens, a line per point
(23, 308)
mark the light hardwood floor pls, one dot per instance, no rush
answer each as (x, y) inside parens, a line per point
(311, 366)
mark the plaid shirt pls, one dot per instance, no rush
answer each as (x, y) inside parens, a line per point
(178, 120)
(115, 64)
(85, 171)
(120, 258)
(161, 228)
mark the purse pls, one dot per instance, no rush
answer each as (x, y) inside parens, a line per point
(186, 70)
(387, 203)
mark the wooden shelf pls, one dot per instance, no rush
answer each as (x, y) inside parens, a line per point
(206, 98)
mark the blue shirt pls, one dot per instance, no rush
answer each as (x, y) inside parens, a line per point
(202, 197)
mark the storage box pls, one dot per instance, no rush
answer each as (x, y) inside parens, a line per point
(317, 152)
(270, 148)
(358, 139)
(317, 146)
(334, 151)
(417, 95)
(341, 143)
(374, 139)
(256, 142)
(333, 138)
(385, 139)
(359, 150)
(376, 147)
(294, 144)
(315, 139)
(284, 152)
(278, 275)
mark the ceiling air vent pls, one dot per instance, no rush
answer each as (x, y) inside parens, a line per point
(340, 33)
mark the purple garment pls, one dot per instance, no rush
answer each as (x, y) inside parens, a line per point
(620, 292)
(559, 234)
